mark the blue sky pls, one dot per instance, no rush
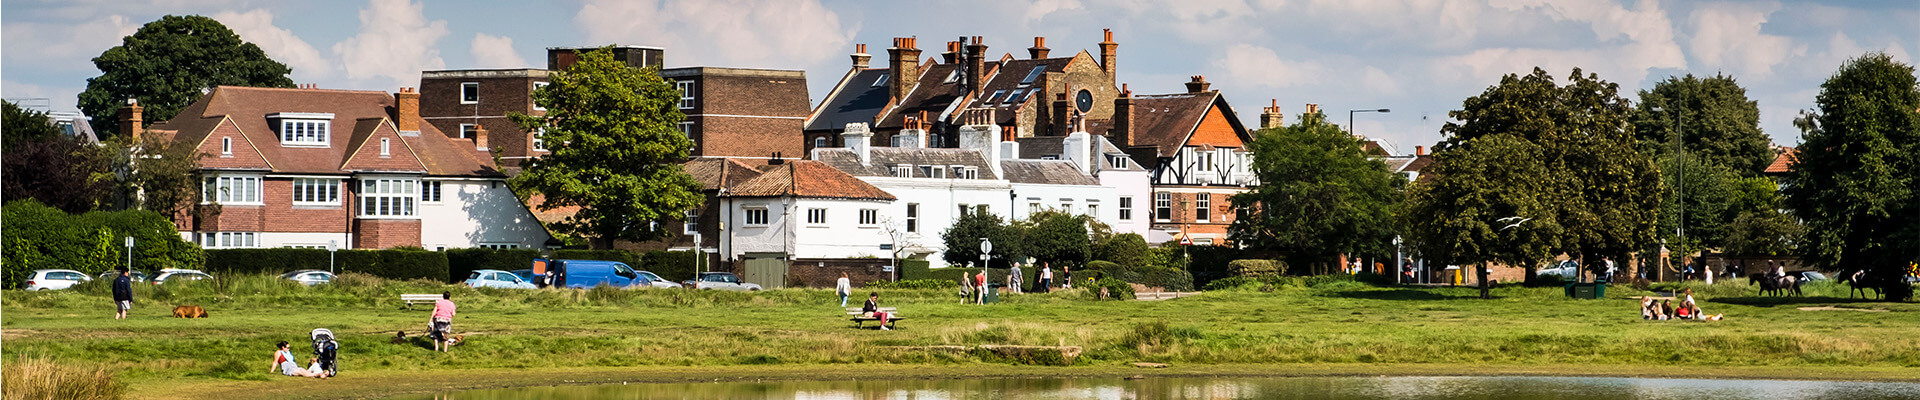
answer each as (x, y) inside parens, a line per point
(1418, 58)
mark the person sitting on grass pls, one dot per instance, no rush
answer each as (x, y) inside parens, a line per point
(284, 361)
(1646, 307)
(1666, 310)
(872, 310)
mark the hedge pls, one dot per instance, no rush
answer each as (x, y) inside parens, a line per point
(462, 262)
(390, 264)
(40, 237)
(915, 269)
(1028, 275)
(1255, 268)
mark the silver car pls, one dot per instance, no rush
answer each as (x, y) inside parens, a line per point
(179, 275)
(494, 278)
(55, 279)
(309, 277)
(658, 282)
(721, 281)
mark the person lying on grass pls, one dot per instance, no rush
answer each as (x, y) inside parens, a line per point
(284, 361)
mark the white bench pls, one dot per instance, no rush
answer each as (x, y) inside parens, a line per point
(428, 298)
(860, 318)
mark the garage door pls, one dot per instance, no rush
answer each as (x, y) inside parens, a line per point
(769, 272)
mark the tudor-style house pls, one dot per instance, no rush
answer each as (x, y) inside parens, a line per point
(1196, 151)
(312, 167)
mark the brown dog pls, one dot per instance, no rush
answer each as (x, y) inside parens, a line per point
(189, 312)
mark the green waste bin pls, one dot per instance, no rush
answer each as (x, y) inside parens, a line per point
(993, 293)
(1587, 290)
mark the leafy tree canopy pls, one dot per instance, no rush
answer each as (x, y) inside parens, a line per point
(44, 164)
(614, 151)
(1857, 179)
(166, 65)
(1319, 194)
(1720, 125)
(1055, 237)
(1485, 202)
(963, 240)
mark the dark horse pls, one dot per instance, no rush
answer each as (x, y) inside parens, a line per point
(1778, 286)
(1862, 280)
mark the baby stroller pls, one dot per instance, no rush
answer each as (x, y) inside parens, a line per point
(326, 349)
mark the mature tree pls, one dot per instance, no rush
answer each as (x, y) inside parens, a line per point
(153, 173)
(1055, 237)
(1129, 249)
(1487, 201)
(44, 164)
(170, 62)
(1857, 179)
(1705, 203)
(1603, 193)
(1719, 125)
(1319, 194)
(613, 151)
(963, 239)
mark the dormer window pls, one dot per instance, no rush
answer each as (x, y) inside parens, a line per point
(303, 129)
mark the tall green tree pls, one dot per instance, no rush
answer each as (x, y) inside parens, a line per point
(153, 173)
(962, 240)
(1319, 194)
(44, 164)
(168, 63)
(1486, 202)
(1857, 179)
(1602, 192)
(1055, 237)
(614, 151)
(1719, 125)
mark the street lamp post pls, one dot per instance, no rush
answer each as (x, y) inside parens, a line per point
(1680, 155)
(1350, 128)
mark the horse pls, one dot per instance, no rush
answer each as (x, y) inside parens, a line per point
(1861, 280)
(1776, 285)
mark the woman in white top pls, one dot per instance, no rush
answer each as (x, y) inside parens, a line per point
(284, 361)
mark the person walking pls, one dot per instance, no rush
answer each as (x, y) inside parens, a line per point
(966, 287)
(442, 321)
(844, 288)
(1014, 280)
(1046, 277)
(980, 282)
(122, 294)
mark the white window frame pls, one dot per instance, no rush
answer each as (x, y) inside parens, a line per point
(536, 89)
(1126, 208)
(499, 246)
(1066, 206)
(432, 192)
(902, 170)
(466, 87)
(686, 88)
(304, 132)
(1093, 209)
(226, 146)
(913, 217)
(232, 189)
(869, 217)
(816, 216)
(316, 192)
(1203, 207)
(230, 240)
(1162, 201)
(469, 131)
(692, 221)
(748, 216)
(386, 147)
(972, 173)
(882, 81)
(389, 197)
(539, 142)
(819, 142)
(686, 128)
(1117, 162)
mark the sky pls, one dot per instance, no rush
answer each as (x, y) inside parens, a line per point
(1419, 58)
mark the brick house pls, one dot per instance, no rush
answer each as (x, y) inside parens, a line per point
(361, 169)
(1194, 147)
(474, 104)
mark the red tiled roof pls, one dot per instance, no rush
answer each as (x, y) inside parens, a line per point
(807, 178)
(1167, 121)
(248, 108)
(1783, 162)
(710, 171)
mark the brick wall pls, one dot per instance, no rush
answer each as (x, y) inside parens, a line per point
(810, 272)
(282, 216)
(749, 137)
(440, 103)
(385, 233)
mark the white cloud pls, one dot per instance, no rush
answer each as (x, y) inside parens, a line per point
(743, 33)
(1727, 36)
(282, 45)
(1380, 83)
(1626, 45)
(1040, 8)
(396, 42)
(1247, 64)
(61, 45)
(496, 52)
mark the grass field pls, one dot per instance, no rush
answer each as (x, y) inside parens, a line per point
(606, 335)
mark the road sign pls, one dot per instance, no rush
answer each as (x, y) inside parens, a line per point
(886, 246)
(129, 241)
(986, 246)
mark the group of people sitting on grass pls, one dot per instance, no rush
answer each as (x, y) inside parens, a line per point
(1662, 310)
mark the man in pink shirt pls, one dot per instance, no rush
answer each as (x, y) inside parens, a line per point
(442, 321)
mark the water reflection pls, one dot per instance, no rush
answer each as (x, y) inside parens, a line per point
(1463, 388)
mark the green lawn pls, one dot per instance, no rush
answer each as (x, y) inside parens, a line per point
(1336, 326)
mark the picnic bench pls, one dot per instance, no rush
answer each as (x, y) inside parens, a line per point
(428, 298)
(860, 318)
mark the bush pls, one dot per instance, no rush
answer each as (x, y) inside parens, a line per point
(1178, 280)
(675, 266)
(1125, 249)
(1253, 268)
(390, 264)
(915, 284)
(38, 236)
(915, 269)
(1116, 289)
(1231, 283)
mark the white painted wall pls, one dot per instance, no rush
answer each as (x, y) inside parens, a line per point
(842, 236)
(284, 239)
(475, 212)
(1076, 199)
(1130, 183)
(939, 201)
(742, 238)
(1228, 167)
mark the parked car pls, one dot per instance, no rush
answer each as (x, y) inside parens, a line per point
(136, 276)
(525, 275)
(177, 275)
(721, 281)
(1810, 276)
(590, 273)
(658, 282)
(1565, 270)
(493, 278)
(309, 277)
(55, 279)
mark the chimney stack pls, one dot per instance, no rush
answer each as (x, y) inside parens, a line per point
(1271, 117)
(1039, 49)
(1419, 150)
(952, 55)
(1109, 54)
(130, 120)
(904, 67)
(1062, 114)
(1123, 117)
(976, 55)
(860, 56)
(1198, 84)
(406, 109)
(860, 140)
(479, 137)
(1311, 110)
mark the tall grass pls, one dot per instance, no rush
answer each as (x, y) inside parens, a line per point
(38, 378)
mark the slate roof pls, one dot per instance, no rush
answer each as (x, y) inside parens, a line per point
(1166, 121)
(1048, 172)
(933, 95)
(857, 101)
(1033, 148)
(805, 178)
(845, 160)
(248, 107)
(1006, 79)
(1396, 164)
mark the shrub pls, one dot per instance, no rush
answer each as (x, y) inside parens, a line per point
(390, 264)
(1102, 269)
(1178, 280)
(1231, 283)
(41, 378)
(1116, 289)
(675, 266)
(1125, 249)
(38, 236)
(915, 269)
(1252, 268)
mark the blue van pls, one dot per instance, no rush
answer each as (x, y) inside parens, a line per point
(589, 273)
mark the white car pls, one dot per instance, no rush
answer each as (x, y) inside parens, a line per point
(1566, 269)
(721, 281)
(55, 279)
(176, 275)
(658, 282)
(309, 277)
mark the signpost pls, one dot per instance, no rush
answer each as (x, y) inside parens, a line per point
(332, 245)
(986, 248)
(129, 253)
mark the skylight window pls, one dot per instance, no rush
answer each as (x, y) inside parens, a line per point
(1015, 97)
(880, 82)
(996, 96)
(953, 76)
(1035, 74)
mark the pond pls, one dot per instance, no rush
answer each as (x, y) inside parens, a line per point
(1543, 388)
